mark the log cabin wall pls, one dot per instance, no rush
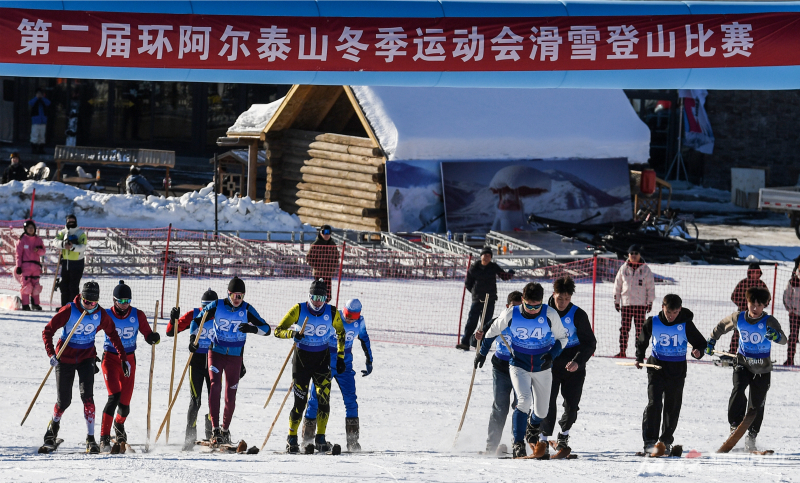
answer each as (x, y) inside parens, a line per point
(328, 178)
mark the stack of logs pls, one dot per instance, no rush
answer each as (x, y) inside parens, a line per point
(328, 179)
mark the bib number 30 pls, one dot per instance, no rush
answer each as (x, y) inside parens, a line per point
(751, 337)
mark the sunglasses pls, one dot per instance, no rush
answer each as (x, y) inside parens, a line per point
(236, 296)
(88, 302)
(532, 307)
(326, 232)
(633, 253)
(122, 301)
(318, 298)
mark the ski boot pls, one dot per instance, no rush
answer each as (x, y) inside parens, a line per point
(532, 437)
(321, 445)
(26, 308)
(519, 450)
(226, 436)
(291, 444)
(750, 442)
(36, 307)
(105, 443)
(119, 429)
(216, 436)
(561, 445)
(91, 445)
(309, 430)
(351, 428)
(209, 428)
(52, 433)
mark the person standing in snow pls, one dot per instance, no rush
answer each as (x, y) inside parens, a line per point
(28, 269)
(634, 292)
(737, 297)
(72, 242)
(323, 257)
(667, 334)
(752, 367)
(791, 300)
(481, 281)
(38, 105)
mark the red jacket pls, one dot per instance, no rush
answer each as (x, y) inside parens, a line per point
(183, 322)
(72, 355)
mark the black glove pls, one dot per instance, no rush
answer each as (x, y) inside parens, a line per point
(649, 307)
(171, 329)
(153, 339)
(96, 369)
(58, 284)
(175, 313)
(243, 371)
(248, 329)
(368, 371)
(126, 369)
(547, 361)
(616, 306)
(298, 336)
(341, 367)
(18, 271)
(479, 360)
(192, 347)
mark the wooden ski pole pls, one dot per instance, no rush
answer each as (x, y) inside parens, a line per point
(474, 369)
(58, 356)
(294, 345)
(183, 375)
(150, 383)
(55, 278)
(653, 366)
(174, 347)
(277, 416)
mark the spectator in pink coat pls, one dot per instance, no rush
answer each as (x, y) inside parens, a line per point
(634, 292)
(30, 249)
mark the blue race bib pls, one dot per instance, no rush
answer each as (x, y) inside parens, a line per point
(668, 343)
(531, 336)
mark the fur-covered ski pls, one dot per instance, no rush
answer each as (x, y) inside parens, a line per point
(336, 450)
(238, 448)
(739, 432)
(676, 452)
(49, 448)
(763, 453)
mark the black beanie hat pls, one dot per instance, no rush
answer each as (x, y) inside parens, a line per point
(236, 285)
(318, 287)
(91, 291)
(122, 291)
(486, 251)
(210, 296)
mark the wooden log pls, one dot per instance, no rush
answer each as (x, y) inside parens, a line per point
(327, 163)
(330, 138)
(360, 220)
(342, 183)
(311, 220)
(338, 208)
(337, 190)
(335, 173)
(330, 155)
(331, 198)
(336, 148)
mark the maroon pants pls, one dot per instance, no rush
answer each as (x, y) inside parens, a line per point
(794, 331)
(635, 312)
(231, 366)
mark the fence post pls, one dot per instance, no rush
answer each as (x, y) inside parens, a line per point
(341, 263)
(463, 293)
(774, 282)
(594, 285)
(164, 277)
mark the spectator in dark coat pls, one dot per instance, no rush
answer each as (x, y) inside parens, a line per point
(323, 257)
(737, 297)
(481, 281)
(15, 171)
(38, 105)
(136, 184)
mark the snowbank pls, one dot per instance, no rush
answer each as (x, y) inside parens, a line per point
(193, 211)
(420, 123)
(254, 120)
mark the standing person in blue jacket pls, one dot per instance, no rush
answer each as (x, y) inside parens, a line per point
(569, 368)
(231, 320)
(501, 379)
(198, 367)
(354, 327)
(38, 105)
(312, 359)
(537, 337)
(667, 335)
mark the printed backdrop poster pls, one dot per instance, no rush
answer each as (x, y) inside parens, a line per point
(414, 196)
(500, 195)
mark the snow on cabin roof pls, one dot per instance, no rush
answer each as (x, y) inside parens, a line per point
(437, 123)
(253, 121)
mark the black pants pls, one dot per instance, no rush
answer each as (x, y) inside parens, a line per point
(474, 316)
(65, 377)
(71, 274)
(738, 403)
(571, 386)
(501, 384)
(198, 375)
(665, 394)
(306, 367)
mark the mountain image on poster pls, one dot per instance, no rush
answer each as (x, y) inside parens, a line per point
(414, 196)
(500, 195)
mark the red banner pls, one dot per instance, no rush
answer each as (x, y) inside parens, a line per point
(398, 44)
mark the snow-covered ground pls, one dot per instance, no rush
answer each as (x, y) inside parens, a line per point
(409, 408)
(192, 211)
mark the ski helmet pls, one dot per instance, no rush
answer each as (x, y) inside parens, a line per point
(122, 291)
(352, 309)
(208, 297)
(91, 291)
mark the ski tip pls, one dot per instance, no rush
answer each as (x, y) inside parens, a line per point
(252, 450)
(336, 450)
(309, 449)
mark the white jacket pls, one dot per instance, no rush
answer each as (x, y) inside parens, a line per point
(634, 287)
(791, 299)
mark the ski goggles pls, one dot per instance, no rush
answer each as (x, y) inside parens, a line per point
(326, 231)
(205, 302)
(122, 301)
(350, 315)
(235, 295)
(88, 302)
(318, 298)
(533, 307)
